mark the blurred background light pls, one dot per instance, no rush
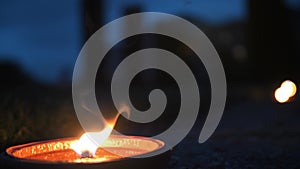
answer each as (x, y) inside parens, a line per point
(287, 90)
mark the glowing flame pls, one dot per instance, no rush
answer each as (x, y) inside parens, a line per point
(89, 142)
(287, 90)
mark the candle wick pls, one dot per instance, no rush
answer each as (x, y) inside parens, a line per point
(86, 154)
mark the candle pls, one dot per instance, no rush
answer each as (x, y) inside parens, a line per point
(115, 152)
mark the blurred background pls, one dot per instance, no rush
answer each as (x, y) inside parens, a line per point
(257, 41)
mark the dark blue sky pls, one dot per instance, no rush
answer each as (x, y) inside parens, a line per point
(45, 36)
(42, 36)
(213, 11)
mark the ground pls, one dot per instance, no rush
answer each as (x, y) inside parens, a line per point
(255, 131)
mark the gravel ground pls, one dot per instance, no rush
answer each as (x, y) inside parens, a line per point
(250, 135)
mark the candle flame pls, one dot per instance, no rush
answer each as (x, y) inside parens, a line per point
(89, 142)
(287, 90)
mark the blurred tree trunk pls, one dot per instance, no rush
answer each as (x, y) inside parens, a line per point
(93, 16)
(270, 40)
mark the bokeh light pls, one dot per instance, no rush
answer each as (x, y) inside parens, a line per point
(287, 90)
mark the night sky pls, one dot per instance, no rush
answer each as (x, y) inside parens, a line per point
(45, 37)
